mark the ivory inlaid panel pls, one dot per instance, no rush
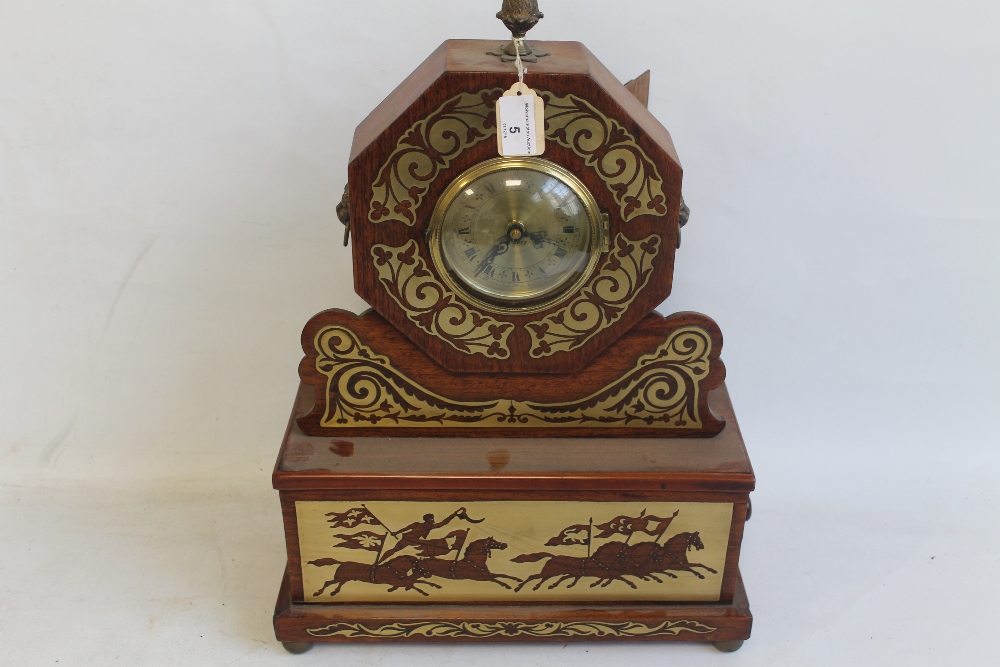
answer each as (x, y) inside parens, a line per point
(512, 551)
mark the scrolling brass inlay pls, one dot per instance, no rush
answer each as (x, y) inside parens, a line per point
(442, 629)
(432, 143)
(425, 149)
(601, 302)
(435, 309)
(610, 150)
(363, 389)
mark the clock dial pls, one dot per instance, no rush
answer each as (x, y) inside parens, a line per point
(516, 233)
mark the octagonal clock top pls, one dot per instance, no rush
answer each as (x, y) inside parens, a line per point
(605, 194)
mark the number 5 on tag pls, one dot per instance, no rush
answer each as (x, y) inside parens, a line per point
(520, 122)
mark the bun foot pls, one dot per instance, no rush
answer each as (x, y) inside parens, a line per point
(728, 647)
(302, 647)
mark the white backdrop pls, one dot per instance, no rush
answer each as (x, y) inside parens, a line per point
(168, 177)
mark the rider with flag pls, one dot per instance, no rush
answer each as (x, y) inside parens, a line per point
(417, 533)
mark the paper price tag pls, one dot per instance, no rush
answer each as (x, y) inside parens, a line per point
(520, 122)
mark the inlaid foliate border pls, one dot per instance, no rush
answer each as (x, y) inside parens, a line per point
(609, 149)
(601, 302)
(364, 389)
(431, 144)
(433, 307)
(476, 630)
(425, 149)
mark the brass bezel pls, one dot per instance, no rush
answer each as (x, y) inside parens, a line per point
(514, 307)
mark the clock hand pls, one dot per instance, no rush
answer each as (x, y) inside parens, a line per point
(538, 238)
(499, 248)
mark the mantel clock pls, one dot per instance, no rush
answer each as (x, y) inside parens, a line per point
(512, 444)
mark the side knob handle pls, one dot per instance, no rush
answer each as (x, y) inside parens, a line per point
(344, 215)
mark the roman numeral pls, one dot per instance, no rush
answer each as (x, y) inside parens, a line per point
(516, 277)
(488, 271)
(569, 229)
(560, 252)
(470, 253)
(464, 230)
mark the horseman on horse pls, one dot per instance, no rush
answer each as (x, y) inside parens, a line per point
(417, 533)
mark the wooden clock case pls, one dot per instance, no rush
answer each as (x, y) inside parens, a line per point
(559, 443)
(438, 123)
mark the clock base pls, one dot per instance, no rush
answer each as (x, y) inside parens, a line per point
(726, 625)
(513, 538)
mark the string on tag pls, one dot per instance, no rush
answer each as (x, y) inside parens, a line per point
(520, 115)
(521, 70)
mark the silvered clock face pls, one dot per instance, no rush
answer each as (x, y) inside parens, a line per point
(516, 233)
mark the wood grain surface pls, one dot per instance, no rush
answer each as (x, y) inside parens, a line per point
(639, 87)
(462, 67)
(462, 469)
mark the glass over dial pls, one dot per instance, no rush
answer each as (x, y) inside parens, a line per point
(516, 232)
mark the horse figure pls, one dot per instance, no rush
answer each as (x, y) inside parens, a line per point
(396, 573)
(640, 560)
(674, 554)
(603, 565)
(614, 561)
(473, 566)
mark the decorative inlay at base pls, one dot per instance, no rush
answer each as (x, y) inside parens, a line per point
(433, 307)
(601, 302)
(475, 630)
(364, 389)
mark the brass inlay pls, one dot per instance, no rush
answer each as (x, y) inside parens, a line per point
(430, 145)
(445, 630)
(433, 307)
(425, 149)
(363, 389)
(610, 150)
(510, 552)
(601, 302)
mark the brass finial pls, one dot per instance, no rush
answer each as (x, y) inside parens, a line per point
(519, 16)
